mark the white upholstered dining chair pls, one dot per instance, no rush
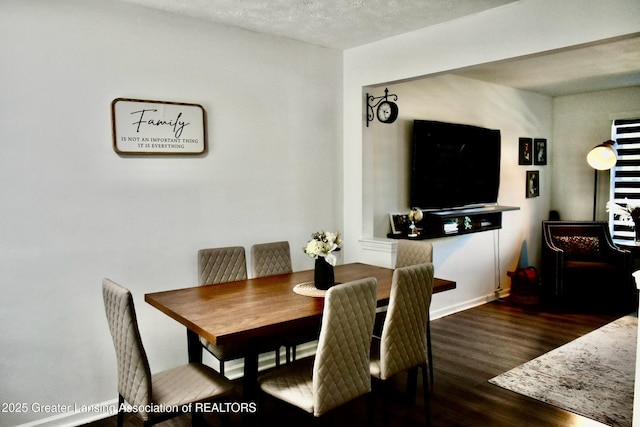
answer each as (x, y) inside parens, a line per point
(340, 370)
(270, 259)
(412, 252)
(221, 265)
(174, 388)
(403, 343)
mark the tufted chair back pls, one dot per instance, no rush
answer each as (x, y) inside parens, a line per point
(270, 259)
(341, 368)
(403, 344)
(412, 252)
(134, 375)
(220, 265)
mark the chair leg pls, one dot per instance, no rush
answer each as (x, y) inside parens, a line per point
(385, 403)
(429, 352)
(383, 390)
(120, 413)
(278, 357)
(197, 418)
(225, 419)
(260, 399)
(221, 363)
(323, 420)
(425, 385)
(412, 383)
(370, 408)
(287, 350)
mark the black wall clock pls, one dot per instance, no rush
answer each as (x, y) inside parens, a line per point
(387, 112)
(382, 107)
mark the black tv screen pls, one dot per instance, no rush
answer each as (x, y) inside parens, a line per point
(454, 165)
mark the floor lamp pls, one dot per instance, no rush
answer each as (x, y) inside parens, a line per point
(602, 157)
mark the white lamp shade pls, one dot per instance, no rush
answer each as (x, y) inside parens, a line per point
(603, 156)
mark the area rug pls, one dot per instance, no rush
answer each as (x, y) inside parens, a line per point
(591, 376)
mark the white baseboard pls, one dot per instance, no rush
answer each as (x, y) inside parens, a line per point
(466, 305)
(79, 417)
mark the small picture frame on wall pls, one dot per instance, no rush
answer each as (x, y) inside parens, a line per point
(540, 155)
(533, 184)
(525, 151)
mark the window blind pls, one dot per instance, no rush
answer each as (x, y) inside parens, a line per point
(625, 176)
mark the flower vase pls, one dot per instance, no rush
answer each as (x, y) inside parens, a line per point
(323, 274)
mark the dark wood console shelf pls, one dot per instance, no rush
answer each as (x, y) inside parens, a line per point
(455, 222)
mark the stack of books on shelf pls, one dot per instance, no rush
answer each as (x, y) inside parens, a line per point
(450, 227)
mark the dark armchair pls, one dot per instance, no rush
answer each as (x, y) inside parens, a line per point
(582, 267)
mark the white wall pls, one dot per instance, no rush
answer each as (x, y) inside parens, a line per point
(581, 122)
(74, 211)
(518, 29)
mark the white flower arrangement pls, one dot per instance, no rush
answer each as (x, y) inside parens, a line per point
(626, 213)
(323, 244)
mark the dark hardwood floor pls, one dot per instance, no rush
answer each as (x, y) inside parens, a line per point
(469, 348)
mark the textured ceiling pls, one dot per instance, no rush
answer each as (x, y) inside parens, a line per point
(337, 24)
(342, 24)
(598, 66)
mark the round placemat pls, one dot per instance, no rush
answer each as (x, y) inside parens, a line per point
(308, 289)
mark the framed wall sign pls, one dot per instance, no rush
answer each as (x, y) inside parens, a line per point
(157, 127)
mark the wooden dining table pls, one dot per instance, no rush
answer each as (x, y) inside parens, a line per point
(251, 310)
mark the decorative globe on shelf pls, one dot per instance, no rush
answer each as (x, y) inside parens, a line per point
(415, 215)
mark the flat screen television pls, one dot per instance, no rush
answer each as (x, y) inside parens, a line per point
(454, 165)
